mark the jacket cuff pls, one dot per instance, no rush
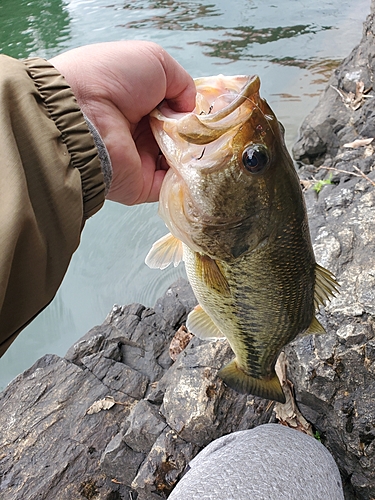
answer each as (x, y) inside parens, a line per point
(65, 112)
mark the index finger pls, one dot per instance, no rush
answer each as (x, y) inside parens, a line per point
(180, 88)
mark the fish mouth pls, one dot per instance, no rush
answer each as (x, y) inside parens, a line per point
(202, 139)
(250, 87)
(204, 125)
(203, 128)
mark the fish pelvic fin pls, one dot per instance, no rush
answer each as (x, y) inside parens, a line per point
(238, 380)
(167, 250)
(201, 325)
(209, 272)
(326, 286)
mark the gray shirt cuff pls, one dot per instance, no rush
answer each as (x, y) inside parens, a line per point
(102, 153)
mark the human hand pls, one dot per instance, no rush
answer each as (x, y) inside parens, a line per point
(117, 84)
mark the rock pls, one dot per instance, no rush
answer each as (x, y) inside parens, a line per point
(160, 420)
(186, 409)
(333, 374)
(145, 424)
(121, 462)
(164, 465)
(49, 447)
(116, 375)
(196, 403)
(332, 123)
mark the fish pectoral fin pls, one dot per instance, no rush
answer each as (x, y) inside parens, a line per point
(209, 272)
(201, 325)
(167, 250)
(326, 286)
(238, 380)
(315, 328)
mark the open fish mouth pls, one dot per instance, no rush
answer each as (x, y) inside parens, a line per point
(215, 111)
(203, 137)
(202, 127)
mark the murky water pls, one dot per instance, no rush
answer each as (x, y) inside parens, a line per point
(293, 45)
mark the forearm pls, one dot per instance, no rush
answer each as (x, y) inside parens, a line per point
(51, 182)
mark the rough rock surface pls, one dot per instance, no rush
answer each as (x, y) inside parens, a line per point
(334, 374)
(51, 447)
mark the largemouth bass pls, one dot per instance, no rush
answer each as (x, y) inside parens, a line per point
(233, 204)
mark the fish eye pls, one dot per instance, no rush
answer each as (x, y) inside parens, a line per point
(255, 158)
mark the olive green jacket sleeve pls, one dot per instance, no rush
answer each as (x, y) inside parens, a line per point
(50, 183)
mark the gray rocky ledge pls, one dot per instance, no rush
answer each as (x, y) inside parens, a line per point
(51, 447)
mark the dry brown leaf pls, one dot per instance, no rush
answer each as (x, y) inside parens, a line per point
(101, 404)
(306, 184)
(179, 342)
(358, 143)
(355, 100)
(288, 413)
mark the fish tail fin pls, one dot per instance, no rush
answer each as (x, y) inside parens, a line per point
(238, 380)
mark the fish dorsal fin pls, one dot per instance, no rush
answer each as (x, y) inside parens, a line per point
(167, 250)
(326, 286)
(201, 325)
(315, 328)
(209, 272)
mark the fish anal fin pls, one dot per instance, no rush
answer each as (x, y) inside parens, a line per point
(167, 250)
(238, 380)
(209, 272)
(315, 328)
(326, 286)
(201, 325)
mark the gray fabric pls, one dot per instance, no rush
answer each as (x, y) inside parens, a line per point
(103, 154)
(270, 462)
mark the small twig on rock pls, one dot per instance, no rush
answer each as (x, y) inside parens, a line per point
(307, 183)
(114, 480)
(364, 175)
(360, 174)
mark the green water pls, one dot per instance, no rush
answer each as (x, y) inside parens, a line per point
(293, 46)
